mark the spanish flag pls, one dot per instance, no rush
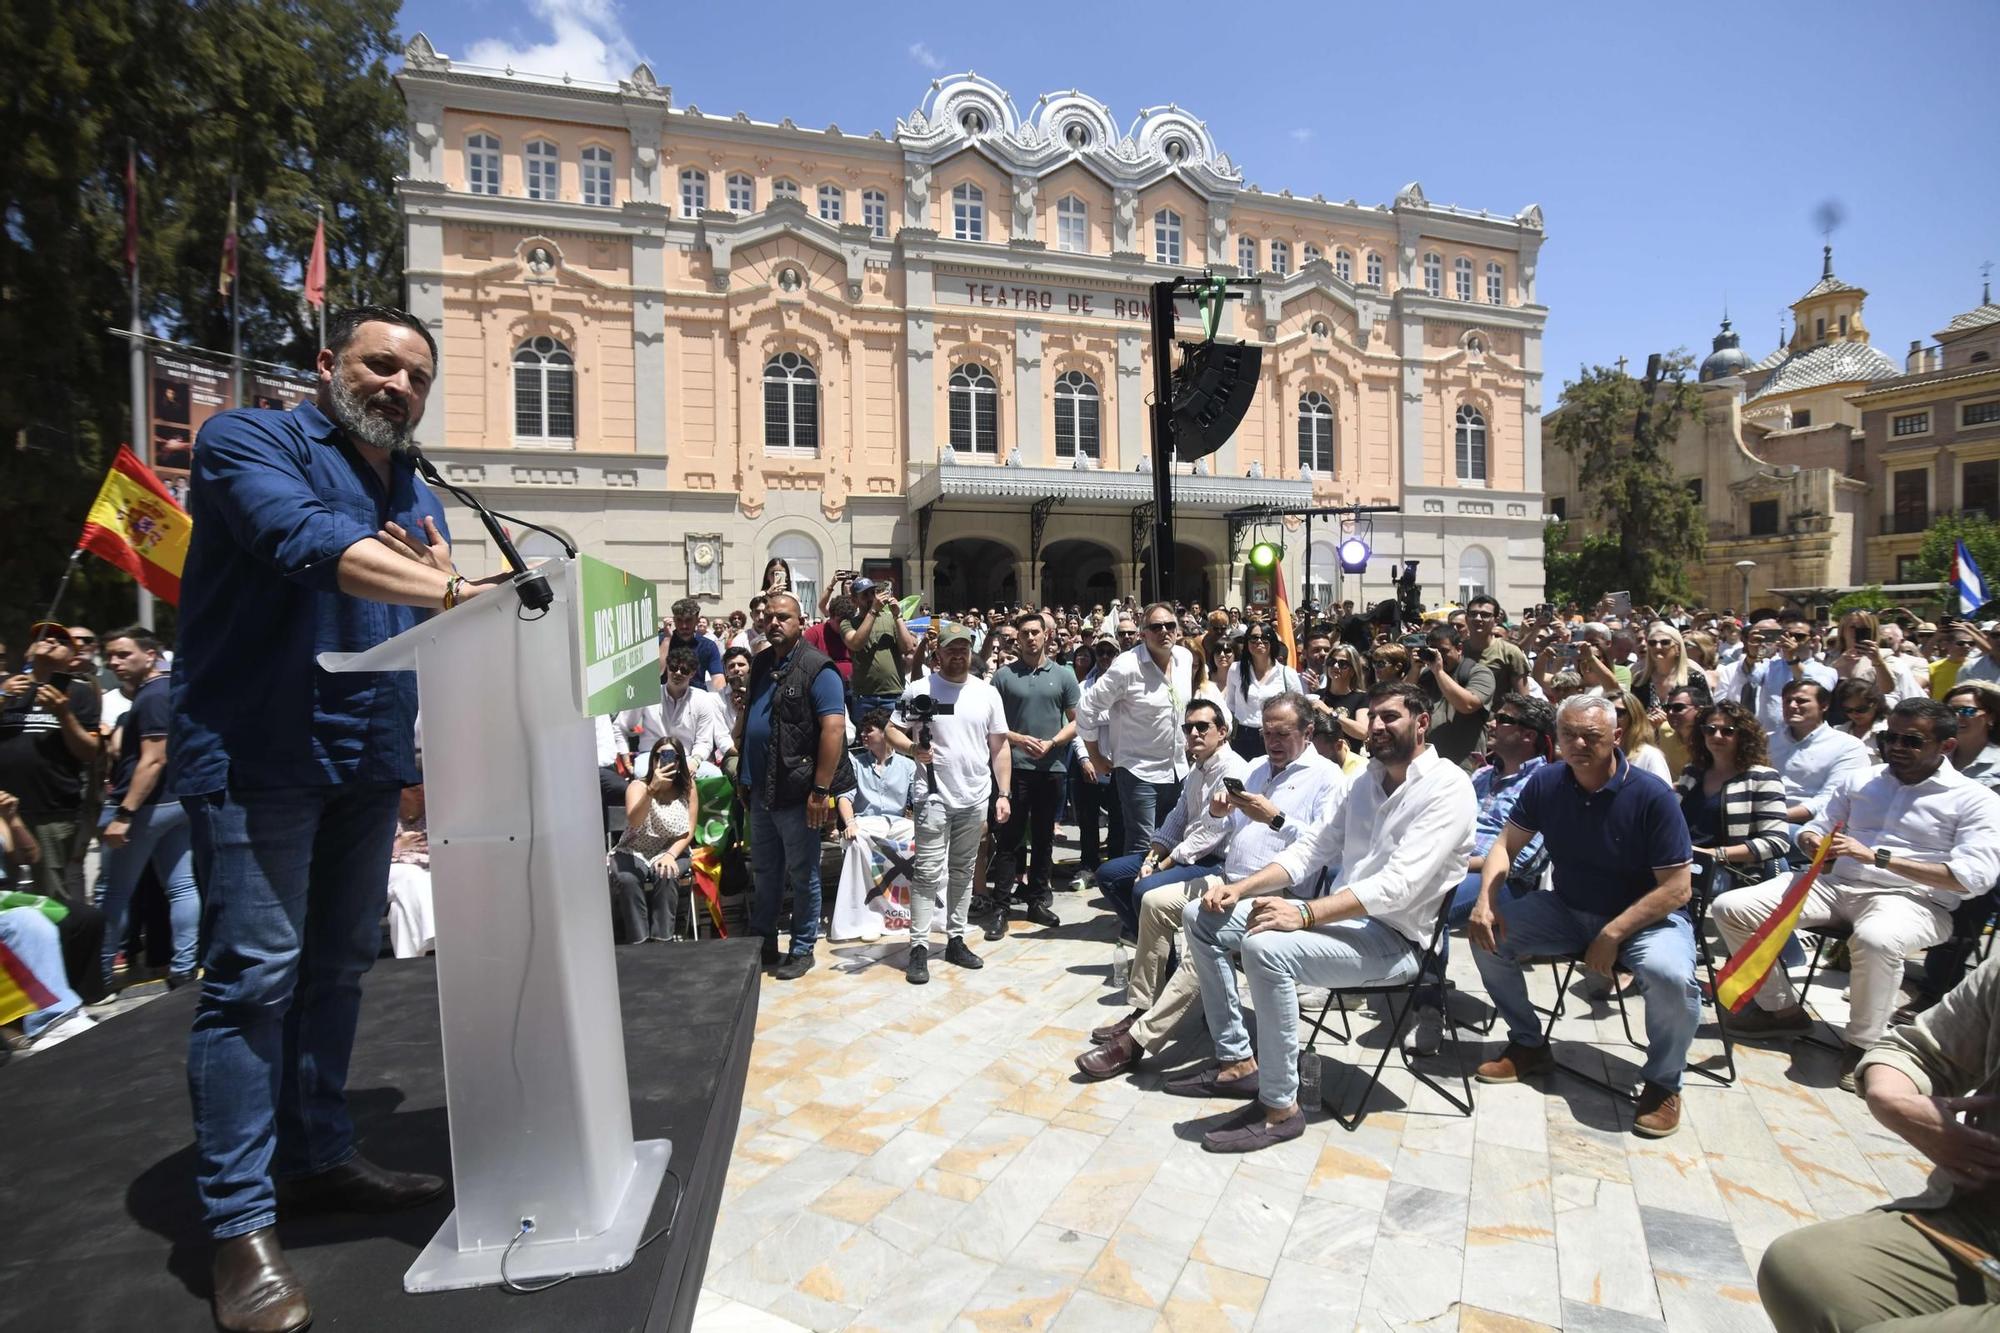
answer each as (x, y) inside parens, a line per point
(1281, 614)
(135, 525)
(1745, 971)
(20, 993)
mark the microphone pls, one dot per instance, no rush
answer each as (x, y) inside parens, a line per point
(532, 585)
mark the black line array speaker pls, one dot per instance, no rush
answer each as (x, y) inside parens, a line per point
(1212, 387)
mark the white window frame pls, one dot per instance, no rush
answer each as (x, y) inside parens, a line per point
(1922, 416)
(482, 163)
(1072, 225)
(1469, 588)
(1167, 237)
(550, 365)
(975, 383)
(1461, 278)
(875, 213)
(600, 187)
(542, 169)
(784, 188)
(1496, 283)
(742, 192)
(1281, 257)
(1310, 254)
(1315, 418)
(1246, 254)
(793, 373)
(1471, 442)
(694, 191)
(1433, 273)
(832, 204)
(1075, 390)
(1374, 269)
(1343, 265)
(968, 212)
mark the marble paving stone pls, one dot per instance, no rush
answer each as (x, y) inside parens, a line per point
(1334, 1238)
(1512, 1115)
(927, 1295)
(1414, 1212)
(1354, 1170)
(715, 1313)
(1693, 1247)
(1089, 1312)
(1580, 1317)
(1472, 1319)
(1511, 1195)
(914, 1220)
(1213, 1300)
(856, 1200)
(1001, 1217)
(1144, 1257)
(986, 1150)
(1764, 1198)
(1301, 1296)
(1015, 1298)
(1096, 1198)
(1413, 1280)
(1695, 1303)
(1601, 1248)
(1445, 1171)
(1050, 1249)
(854, 1272)
(1669, 1174)
(1511, 1277)
(1248, 1227)
(904, 1158)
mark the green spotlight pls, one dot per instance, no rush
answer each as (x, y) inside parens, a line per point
(1263, 555)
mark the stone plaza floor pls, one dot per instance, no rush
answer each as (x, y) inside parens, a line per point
(917, 1158)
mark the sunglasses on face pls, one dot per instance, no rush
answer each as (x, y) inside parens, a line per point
(1721, 729)
(1161, 627)
(1511, 721)
(1680, 708)
(1196, 728)
(1904, 740)
(1662, 643)
(1963, 710)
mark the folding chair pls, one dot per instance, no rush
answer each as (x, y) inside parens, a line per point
(1968, 925)
(1399, 1015)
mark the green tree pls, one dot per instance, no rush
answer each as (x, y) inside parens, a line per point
(1624, 448)
(1581, 574)
(291, 99)
(1981, 536)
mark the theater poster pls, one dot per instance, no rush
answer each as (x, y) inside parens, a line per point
(186, 386)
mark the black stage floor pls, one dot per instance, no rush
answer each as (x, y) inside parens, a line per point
(101, 1226)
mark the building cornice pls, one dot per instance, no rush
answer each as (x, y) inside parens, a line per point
(994, 481)
(1925, 389)
(434, 201)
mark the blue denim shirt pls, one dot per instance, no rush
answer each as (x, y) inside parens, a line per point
(275, 498)
(1496, 801)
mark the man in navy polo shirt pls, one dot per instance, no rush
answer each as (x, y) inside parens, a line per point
(1619, 845)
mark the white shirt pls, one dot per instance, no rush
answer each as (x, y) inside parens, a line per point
(609, 744)
(1820, 765)
(1134, 713)
(1190, 832)
(1308, 792)
(1651, 759)
(1946, 819)
(696, 720)
(961, 754)
(1773, 675)
(1400, 851)
(1247, 705)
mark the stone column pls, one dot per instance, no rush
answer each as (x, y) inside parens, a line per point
(649, 350)
(1028, 394)
(1133, 443)
(424, 242)
(919, 375)
(1531, 413)
(1410, 329)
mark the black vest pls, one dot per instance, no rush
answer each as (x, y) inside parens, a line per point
(785, 777)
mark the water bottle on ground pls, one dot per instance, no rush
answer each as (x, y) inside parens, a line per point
(1309, 1079)
(1121, 964)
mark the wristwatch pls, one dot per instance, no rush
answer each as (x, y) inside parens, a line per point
(1277, 821)
(1881, 858)
(822, 791)
(127, 815)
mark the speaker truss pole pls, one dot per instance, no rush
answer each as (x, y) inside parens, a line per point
(1159, 577)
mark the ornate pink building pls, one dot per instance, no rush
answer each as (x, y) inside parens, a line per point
(694, 341)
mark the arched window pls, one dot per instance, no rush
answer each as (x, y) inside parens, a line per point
(694, 191)
(1461, 278)
(1496, 284)
(875, 213)
(1166, 237)
(1076, 416)
(1281, 257)
(1246, 254)
(784, 188)
(597, 176)
(1475, 574)
(791, 404)
(968, 212)
(742, 194)
(543, 161)
(1325, 568)
(544, 393)
(1434, 273)
(1073, 225)
(1343, 265)
(801, 556)
(1309, 255)
(482, 164)
(1471, 433)
(975, 411)
(832, 203)
(1315, 433)
(1374, 269)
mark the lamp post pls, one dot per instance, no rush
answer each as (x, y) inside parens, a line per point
(1744, 567)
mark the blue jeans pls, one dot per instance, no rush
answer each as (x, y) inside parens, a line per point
(1463, 899)
(159, 835)
(34, 940)
(1662, 957)
(1118, 881)
(1089, 800)
(782, 848)
(1343, 953)
(295, 883)
(1142, 803)
(858, 706)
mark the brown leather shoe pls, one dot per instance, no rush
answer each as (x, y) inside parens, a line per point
(357, 1185)
(1113, 1057)
(1098, 1036)
(1516, 1063)
(256, 1291)
(1659, 1112)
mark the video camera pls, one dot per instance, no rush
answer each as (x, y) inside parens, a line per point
(920, 709)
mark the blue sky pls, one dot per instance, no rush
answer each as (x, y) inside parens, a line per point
(1680, 152)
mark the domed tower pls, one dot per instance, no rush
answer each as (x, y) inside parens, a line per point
(1728, 358)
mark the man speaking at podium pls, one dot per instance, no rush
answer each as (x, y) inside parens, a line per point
(312, 533)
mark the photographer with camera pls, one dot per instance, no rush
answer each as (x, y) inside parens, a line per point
(1459, 687)
(48, 743)
(879, 643)
(954, 726)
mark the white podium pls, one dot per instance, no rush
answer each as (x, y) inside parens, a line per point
(534, 1049)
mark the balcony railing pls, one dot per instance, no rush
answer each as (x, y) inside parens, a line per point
(1906, 524)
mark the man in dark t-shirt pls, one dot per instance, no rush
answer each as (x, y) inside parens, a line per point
(686, 633)
(48, 742)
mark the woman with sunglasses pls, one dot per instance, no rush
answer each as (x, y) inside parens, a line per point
(1345, 692)
(1639, 744)
(1676, 739)
(653, 852)
(1664, 668)
(1260, 674)
(1976, 704)
(1734, 802)
(1391, 663)
(1862, 711)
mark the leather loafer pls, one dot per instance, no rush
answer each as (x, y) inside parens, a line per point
(256, 1291)
(1211, 1083)
(1098, 1036)
(357, 1185)
(1114, 1057)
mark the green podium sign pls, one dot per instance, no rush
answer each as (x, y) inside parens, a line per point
(615, 628)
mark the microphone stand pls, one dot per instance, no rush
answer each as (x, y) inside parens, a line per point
(530, 584)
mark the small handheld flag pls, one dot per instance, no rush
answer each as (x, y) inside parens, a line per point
(20, 992)
(1281, 611)
(316, 267)
(1748, 966)
(135, 525)
(225, 280)
(1967, 580)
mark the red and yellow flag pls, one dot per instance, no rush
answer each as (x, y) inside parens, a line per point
(1281, 613)
(1748, 966)
(20, 993)
(707, 863)
(135, 525)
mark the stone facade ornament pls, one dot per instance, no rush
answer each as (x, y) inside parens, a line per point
(420, 54)
(704, 564)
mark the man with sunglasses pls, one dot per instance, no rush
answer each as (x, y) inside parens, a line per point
(1960, 660)
(1793, 648)
(1486, 645)
(1814, 759)
(48, 743)
(1917, 839)
(1130, 721)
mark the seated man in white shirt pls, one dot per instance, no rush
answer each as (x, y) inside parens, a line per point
(1400, 840)
(1278, 803)
(693, 717)
(1814, 759)
(1919, 838)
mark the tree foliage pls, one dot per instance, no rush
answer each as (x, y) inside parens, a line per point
(1582, 574)
(1981, 536)
(1624, 449)
(290, 99)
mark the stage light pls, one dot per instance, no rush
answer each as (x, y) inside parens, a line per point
(1353, 556)
(1263, 555)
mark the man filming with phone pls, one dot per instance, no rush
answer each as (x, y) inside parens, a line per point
(48, 742)
(1460, 687)
(879, 643)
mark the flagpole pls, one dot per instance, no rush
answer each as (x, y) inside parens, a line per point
(322, 295)
(70, 569)
(235, 300)
(142, 438)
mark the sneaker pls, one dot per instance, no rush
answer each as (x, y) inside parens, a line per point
(71, 1023)
(994, 927)
(794, 967)
(1426, 1034)
(918, 970)
(1658, 1113)
(1516, 1062)
(1756, 1022)
(957, 954)
(1041, 914)
(769, 954)
(1082, 880)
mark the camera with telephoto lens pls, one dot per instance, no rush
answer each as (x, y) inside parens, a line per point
(921, 708)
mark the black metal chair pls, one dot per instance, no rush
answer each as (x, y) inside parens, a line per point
(1402, 1000)
(1968, 933)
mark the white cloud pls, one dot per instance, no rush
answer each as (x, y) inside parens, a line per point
(586, 41)
(1302, 135)
(926, 57)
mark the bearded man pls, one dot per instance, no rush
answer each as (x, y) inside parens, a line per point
(312, 533)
